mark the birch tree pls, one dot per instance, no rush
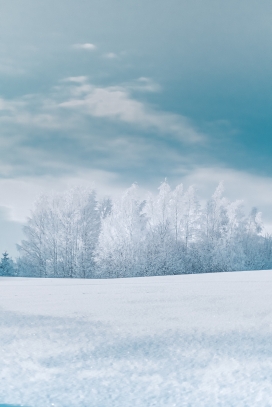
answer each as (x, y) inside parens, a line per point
(61, 235)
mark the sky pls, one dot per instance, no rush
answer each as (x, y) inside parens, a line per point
(109, 93)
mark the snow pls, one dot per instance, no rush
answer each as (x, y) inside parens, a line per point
(191, 340)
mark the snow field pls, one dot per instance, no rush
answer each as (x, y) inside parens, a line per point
(192, 340)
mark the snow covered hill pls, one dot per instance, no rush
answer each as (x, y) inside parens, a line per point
(191, 340)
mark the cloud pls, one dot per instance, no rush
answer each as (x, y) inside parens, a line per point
(142, 84)
(110, 55)
(71, 103)
(76, 79)
(87, 46)
(78, 126)
(32, 111)
(11, 105)
(116, 103)
(147, 85)
(10, 67)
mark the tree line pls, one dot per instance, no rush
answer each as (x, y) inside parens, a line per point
(75, 235)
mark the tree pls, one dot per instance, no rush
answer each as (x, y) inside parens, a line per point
(159, 239)
(120, 248)
(73, 235)
(7, 268)
(61, 235)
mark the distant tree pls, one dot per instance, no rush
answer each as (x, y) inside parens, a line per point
(160, 240)
(61, 235)
(121, 240)
(7, 266)
(73, 235)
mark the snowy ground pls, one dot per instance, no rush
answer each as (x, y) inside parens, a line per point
(195, 340)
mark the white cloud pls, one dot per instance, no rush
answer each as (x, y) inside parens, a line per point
(87, 46)
(32, 111)
(11, 105)
(114, 103)
(76, 79)
(10, 67)
(142, 84)
(117, 104)
(111, 55)
(26, 118)
(148, 85)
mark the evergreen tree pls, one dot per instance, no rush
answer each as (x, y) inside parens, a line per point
(6, 266)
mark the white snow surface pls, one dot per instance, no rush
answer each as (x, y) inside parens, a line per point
(191, 340)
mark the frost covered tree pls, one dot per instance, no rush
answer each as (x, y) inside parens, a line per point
(214, 227)
(73, 235)
(226, 235)
(122, 237)
(172, 228)
(189, 228)
(159, 240)
(34, 248)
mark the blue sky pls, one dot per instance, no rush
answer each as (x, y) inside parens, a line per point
(111, 93)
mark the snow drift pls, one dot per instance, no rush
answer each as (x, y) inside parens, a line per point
(189, 340)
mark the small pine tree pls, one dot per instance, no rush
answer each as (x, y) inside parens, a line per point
(6, 265)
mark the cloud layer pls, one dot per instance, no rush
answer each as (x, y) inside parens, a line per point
(100, 127)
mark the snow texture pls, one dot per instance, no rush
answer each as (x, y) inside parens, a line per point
(189, 340)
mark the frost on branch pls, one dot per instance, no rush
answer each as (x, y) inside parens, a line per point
(75, 235)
